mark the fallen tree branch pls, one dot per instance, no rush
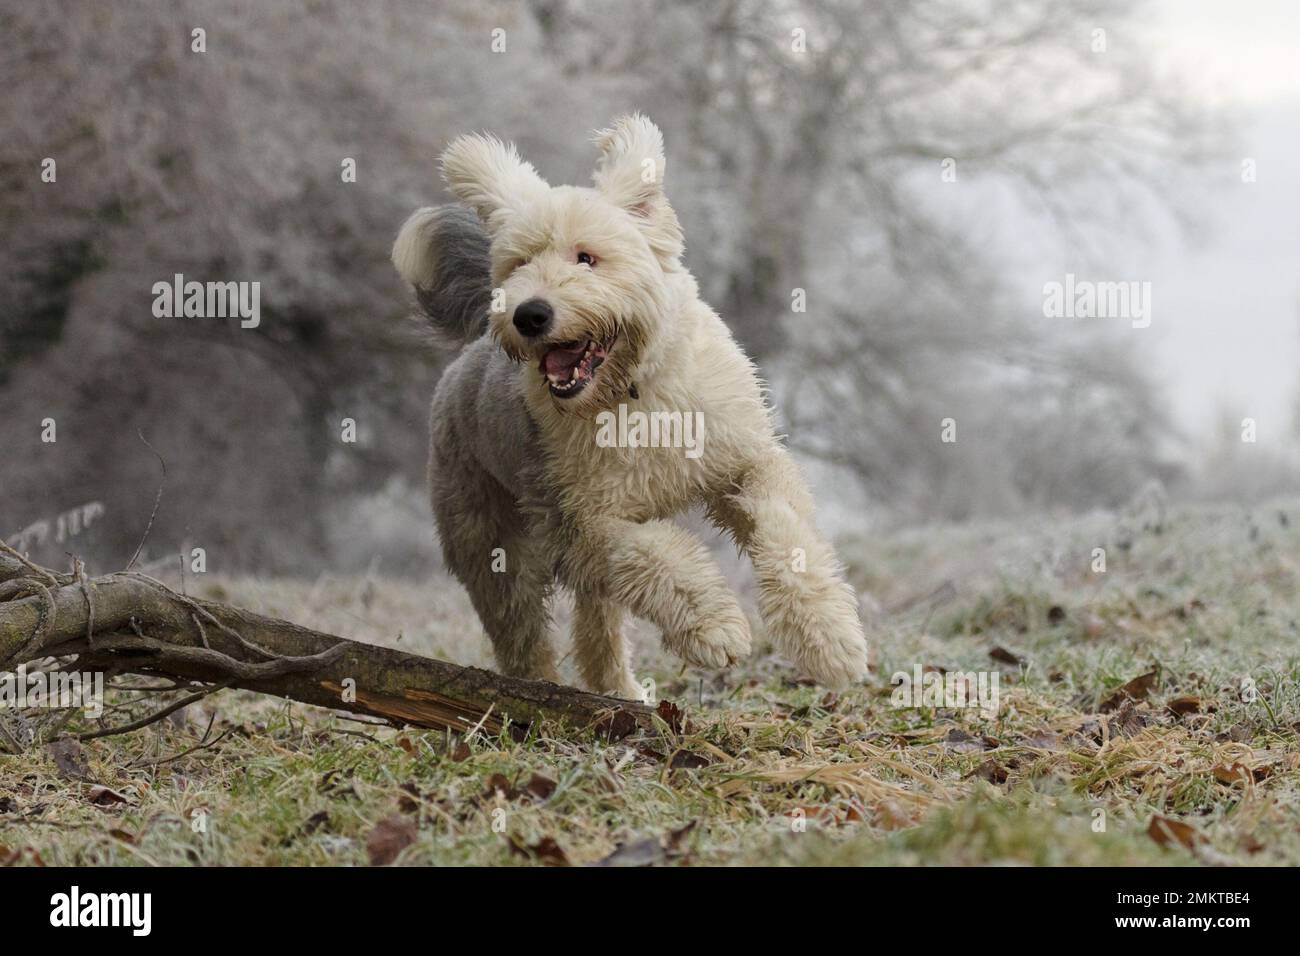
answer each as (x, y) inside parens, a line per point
(141, 626)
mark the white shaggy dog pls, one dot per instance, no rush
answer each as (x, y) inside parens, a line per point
(587, 307)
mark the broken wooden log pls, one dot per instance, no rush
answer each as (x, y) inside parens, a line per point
(130, 623)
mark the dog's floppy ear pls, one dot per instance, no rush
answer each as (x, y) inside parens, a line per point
(630, 174)
(489, 176)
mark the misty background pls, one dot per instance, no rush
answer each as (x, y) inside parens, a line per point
(810, 146)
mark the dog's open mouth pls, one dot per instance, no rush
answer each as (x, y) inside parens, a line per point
(570, 366)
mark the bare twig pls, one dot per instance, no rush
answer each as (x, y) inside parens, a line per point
(156, 501)
(156, 715)
(34, 568)
(79, 572)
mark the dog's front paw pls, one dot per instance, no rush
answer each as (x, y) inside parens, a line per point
(715, 641)
(822, 633)
(837, 660)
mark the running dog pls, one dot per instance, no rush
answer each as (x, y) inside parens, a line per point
(571, 302)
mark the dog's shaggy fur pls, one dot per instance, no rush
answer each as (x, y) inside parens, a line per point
(523, 495)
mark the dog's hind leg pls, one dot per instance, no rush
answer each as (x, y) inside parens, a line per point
(487, 545)
(599, 647)
(802, 595)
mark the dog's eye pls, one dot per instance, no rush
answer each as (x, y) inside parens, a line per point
(586, 259)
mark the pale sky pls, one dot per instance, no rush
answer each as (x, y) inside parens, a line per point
(1225, 324)
(1231, 309)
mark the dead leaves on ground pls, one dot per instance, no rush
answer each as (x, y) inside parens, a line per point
(545, 851)
(105, 796)
(1256, 767)
(1044, 740)
(960, 741)
(388, 838)
(1184, 705)
(1004, 656)
(650, 852)
(1169, 832)
(22, 855)
(315, 822)
(538, 786)
(620, 724)
(1128, 721)
(69, 758)
(1136, 690)
(992, 772)
(394, 833)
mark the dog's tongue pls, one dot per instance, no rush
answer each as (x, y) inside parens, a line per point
(562, 358)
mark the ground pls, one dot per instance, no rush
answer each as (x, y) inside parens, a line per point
(1196, 760)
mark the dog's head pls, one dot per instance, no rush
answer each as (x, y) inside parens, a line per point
(579, 274)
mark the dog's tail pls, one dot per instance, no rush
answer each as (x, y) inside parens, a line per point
(443, 252)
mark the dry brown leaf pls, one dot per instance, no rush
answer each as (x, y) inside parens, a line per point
(1250, 844)
(1170, 832)
(1004, 656)
(545, 851)
(499, 785)
(637, 853)
(1237, 771)
(308, 827)
(1138, 689)
(992, 771)
(1128, 722)
(69, 758)
(617, 725)
(102, 796)
(671, 715)
(12, 857)
(962, 742)
(892, 815)
(540, 786)
(1233, 773)
(686, 760)
(389, 837)
(648, 852)
(1237, 733)
(410, 798)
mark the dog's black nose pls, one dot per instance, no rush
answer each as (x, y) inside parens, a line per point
(533, 317)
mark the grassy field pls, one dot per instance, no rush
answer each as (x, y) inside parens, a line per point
(1195, 760)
